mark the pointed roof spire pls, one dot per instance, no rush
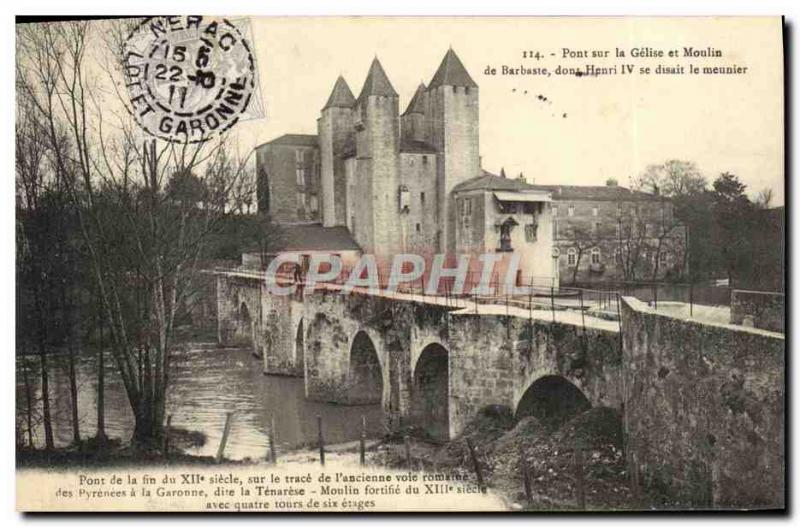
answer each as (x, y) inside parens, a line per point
(452, 72)
(341, 96)
(377, 83)
(416, 105)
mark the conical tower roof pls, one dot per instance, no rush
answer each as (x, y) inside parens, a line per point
(377, 83)
(341, 96)
(416, 105)
(452, 72)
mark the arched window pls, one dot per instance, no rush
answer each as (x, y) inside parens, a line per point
(572, 257)
(596, 255)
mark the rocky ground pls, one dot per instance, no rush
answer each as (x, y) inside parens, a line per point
(548, 450)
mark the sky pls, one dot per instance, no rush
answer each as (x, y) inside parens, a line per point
(587, 129)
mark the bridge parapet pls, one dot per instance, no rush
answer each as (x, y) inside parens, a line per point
(704, 409)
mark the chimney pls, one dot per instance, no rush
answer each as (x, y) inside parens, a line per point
(521, 177)
(611, 182)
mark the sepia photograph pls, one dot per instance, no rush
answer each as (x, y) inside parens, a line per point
(400, 263)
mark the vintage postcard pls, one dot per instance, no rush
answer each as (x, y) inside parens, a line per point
(279, 264)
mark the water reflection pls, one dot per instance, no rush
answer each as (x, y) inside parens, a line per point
(207, 383)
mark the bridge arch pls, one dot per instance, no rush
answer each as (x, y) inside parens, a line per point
(552, 399)
(365, 373)
(246, 327)
(430, 405)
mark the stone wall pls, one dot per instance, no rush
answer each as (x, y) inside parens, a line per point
(418, 174)
(282, 317)
(766, 310)
(704, 410)
(277, 166)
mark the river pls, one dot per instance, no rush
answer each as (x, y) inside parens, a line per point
(207, 382)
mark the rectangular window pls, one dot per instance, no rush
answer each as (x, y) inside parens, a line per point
(299, 156)
(313, 204)
(663, 257)
(301, 176)
(424, 160)
(466, 207)
(417, 227)
(596, 256)
(594, 211)
(571, 210)
(555, 210)
(301, 200)
(422, 198)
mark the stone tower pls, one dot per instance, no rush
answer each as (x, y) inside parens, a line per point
(451, 114)
(335, 129)
(376, 121)
(413, 119)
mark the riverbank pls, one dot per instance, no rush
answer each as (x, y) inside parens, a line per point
(502, 446)
(112, 452)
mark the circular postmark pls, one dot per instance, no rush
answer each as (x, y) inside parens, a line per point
(189, 77)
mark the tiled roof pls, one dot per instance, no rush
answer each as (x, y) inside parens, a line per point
(315, 237)
(377, 83)
(341, 96)
(295, 140)
(489, 181)
(597, 193)
(416, 147)
(416, 106)
(452, 72)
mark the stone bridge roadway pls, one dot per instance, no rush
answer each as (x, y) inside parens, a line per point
(430, 361)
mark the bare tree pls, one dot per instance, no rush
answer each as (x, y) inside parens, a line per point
(143, 247)
(582, 238)
(34, 252)
(631, 239)
(672, 178)
(763, 198)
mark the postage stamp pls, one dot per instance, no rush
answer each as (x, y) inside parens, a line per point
(189, 77)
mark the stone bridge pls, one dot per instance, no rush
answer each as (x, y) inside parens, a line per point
(702, 401)
(429, 361)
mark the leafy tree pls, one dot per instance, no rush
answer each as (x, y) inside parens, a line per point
(733, 226)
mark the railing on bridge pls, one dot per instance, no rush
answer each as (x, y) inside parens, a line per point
(544, 293)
